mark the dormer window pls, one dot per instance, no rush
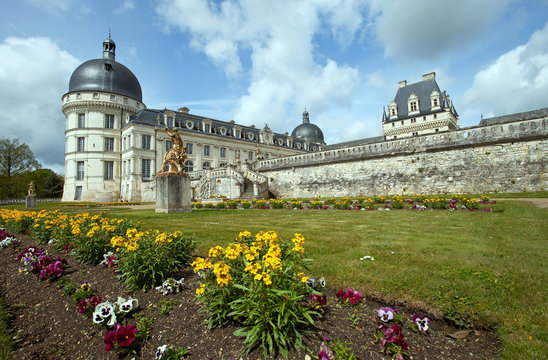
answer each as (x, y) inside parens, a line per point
(435, 99)
(413, 103)
(413, 106)
(393, 109)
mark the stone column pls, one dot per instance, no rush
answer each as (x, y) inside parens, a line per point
(255, 189)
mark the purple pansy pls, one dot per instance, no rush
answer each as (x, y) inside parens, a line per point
(386, 314)
(422, 322)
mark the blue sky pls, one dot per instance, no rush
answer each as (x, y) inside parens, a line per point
(262, 62)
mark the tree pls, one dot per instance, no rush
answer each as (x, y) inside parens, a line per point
(16, 159)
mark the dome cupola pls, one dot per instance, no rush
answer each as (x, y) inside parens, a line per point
(308, 131)
(106, 75)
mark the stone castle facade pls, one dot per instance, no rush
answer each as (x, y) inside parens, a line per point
(115, 146)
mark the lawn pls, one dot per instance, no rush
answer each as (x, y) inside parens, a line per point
(474, 268)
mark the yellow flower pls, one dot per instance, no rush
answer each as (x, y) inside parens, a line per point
(233, 251)
(266, 279)
(132, 246)
(201, 264)
(243, 234)
(200, 290)
(215, 251)
(161, 238)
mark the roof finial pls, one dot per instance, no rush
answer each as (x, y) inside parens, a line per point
(109, 48)
(306, 118)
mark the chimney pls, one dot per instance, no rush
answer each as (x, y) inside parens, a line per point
(429, 76)
(402, 83)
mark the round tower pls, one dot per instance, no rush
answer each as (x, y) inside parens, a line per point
(102, 94)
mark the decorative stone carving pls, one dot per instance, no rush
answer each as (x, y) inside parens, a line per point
(175, 157)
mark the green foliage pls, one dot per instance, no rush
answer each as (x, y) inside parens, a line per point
(342, 350)
(16, 159)
(90, 250)
(153, 261)
(232, 204)
(221, 205)
(278, 204)
(259, 283)
(166, 305)
(172, 353)
(144, 325)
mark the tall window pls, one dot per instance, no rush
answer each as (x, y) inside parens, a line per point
(109, 121)
(189, 148)
(170, 121)
(109, 144)
(206, 150)
(81, 144)
(80, 170)
(206, 165)
(145, 142)
(250, 156)
(81, 121)
(189, 166)
(145, 170)
(169, 145)
(109, 170)
(223, 152)
(207, 128)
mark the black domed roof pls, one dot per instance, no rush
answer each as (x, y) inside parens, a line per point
(105, 75)
(308, 132)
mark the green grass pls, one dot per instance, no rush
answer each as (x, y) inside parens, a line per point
(478, 269)
(5, 338)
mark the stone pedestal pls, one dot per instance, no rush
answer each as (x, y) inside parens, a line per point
(173, 194)
(30, 201)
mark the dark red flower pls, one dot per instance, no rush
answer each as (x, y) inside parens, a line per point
(82, 306)
(125, 335)
(109, 340)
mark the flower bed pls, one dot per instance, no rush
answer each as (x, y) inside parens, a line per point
(144, 258)
(396, 202)
(287, 287)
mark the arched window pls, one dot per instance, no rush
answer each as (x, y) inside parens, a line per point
(206, 165)
(189, 166)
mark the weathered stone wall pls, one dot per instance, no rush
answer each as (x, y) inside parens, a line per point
(509, 157)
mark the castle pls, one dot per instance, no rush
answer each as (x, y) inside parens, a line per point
(114, 146)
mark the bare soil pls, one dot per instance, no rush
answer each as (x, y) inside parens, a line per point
(45, 324)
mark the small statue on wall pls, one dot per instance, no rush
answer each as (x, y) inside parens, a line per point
(175, 157)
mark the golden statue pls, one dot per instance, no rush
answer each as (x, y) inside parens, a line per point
(32, 190)
(175, 157)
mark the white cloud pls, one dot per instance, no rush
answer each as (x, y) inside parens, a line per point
(516, 81)
(125, 6)
(31, 95)
(279, 36)
(428, 29)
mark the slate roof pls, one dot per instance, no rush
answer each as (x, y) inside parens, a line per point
(423, 90)
(533, 114)
(183, 120)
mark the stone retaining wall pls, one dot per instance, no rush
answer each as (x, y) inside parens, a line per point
(508, 157)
